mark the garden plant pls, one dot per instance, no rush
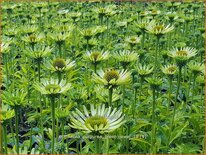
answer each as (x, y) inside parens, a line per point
(98, 77)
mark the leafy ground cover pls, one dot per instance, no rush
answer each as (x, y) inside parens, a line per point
(102, 77)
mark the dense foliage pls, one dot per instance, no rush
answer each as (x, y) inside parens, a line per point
(103, 77)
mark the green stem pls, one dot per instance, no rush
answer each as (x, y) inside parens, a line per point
(53, 123)
(59, 74)
(39, 70)
(143, 38)
(31, 134)
(80, 145)
(153, 149)
(170, 91)
(63, 124)
(107, 145)
(110, 96)
(41, 108)
(123, 96)
(97, 143)
(134, 103)
(95, 68)
(175, 104)
(12, 130)
(1, 141)
(193, 87)
(140, 91)
(17, 128)
(5, 137)
(156, 54)
(127, 140)
(188, 90)
(7, 71)
(60, 51)
(57, 129)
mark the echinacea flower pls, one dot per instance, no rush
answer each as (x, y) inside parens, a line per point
(196, 68)
(182, 55)
(125, 57)
(40, 5)
(169, 70)
(74, 15)
(5, 47)
(60, 65)
(143, 13)
(155, 12)
(102, 94)
(88, 33)
(39, 52)
(59, 38)
(154, 82)
(133, 40)
(17, 97)
(144, 70)
(63, 28)
(201, 80)
(142, 24)
(112, 78)
(6, 113)
(11, 32)
(62, 113)
(33, 38)
(99, 121)
(159, 29)
(96, 56)
(29, 29)
(52, 87)
(171, 16)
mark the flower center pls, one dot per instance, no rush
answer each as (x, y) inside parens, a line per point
(32, 38)
(111, 74)
(53, 87)
(132, 39)
(59, 63)
(159, 28)
(172, 69)
(96, 120)
(154, 11)
(95, 55)
(181, 53)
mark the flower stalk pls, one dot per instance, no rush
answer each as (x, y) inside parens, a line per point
(5, 137)
(175, 104)
(153, 149)
(17, 128)
(110, 96)
(53, 122)
(97, 142)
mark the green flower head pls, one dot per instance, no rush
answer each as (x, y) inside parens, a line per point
(112, 77)
(182, 55)
(99, 121)
(52, 87)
